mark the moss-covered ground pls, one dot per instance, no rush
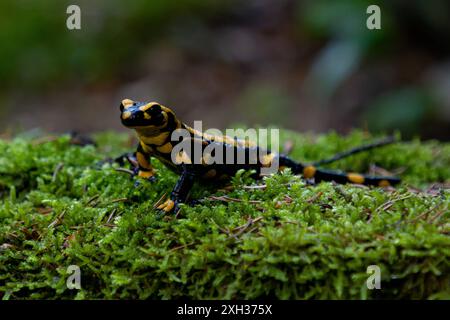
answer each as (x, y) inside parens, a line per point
(277, 237)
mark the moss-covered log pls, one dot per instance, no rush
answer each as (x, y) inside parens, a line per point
(277, 237)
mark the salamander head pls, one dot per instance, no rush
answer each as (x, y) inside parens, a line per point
(140, 115)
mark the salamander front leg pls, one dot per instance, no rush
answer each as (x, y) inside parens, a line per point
(144, 169)
(180, 192)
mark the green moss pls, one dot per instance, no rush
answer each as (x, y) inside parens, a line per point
(287, 240)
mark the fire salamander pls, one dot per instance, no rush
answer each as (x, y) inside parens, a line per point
(154, 125)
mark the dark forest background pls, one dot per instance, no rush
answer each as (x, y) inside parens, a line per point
(303, 65)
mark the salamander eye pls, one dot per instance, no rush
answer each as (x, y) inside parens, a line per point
(121, 107)
(155, 109)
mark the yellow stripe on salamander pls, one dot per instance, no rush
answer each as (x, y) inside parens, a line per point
(384, 183)
(309, 172)
(158, 140)
(165, 148)
(355, 178)
(143, 161)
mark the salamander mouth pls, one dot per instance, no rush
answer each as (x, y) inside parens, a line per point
(135, 122)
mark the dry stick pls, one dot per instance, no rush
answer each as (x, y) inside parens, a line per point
(178, 213)
(252, 229)
(288, 199)
(57, 170)
(250, 219)
(228, 232)
(160, 200)
(111, 215)
(44, 210)
(439, 214)
(289, 221)
(76, 227)
(183, 246)
(91, 202)
(248, 224)
(390, 203)
(57, 220)
(228, 199)
(130, 172)
(92, 199)
(385, 206)
(341, 191)
(119, 200)
(259, 186)
(426, 212)
(315, 197)
(263, 186)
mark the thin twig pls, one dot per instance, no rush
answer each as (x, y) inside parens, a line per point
(246, 224)
(111, 215)
(57, 220)
(245, 227)
(227, 232)
(258, 186)
(183, 246)
(228, 199)
(119, 200)
(130, 172)
(439, 214)
(57, 170)
(385, 206)
(315, 197)
(426, 213)
(160, 200)
(92, 199)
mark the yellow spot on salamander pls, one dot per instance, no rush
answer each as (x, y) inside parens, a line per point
(166, 148)
(384, 183)
(267, 159)
(158, 140)
(126, 115)
(309, 172)
(127, 103)
(143, 161)
(145, 174)
(145, 147)
(355, 178)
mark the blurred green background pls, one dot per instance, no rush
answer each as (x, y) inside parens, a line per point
(304, 65)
